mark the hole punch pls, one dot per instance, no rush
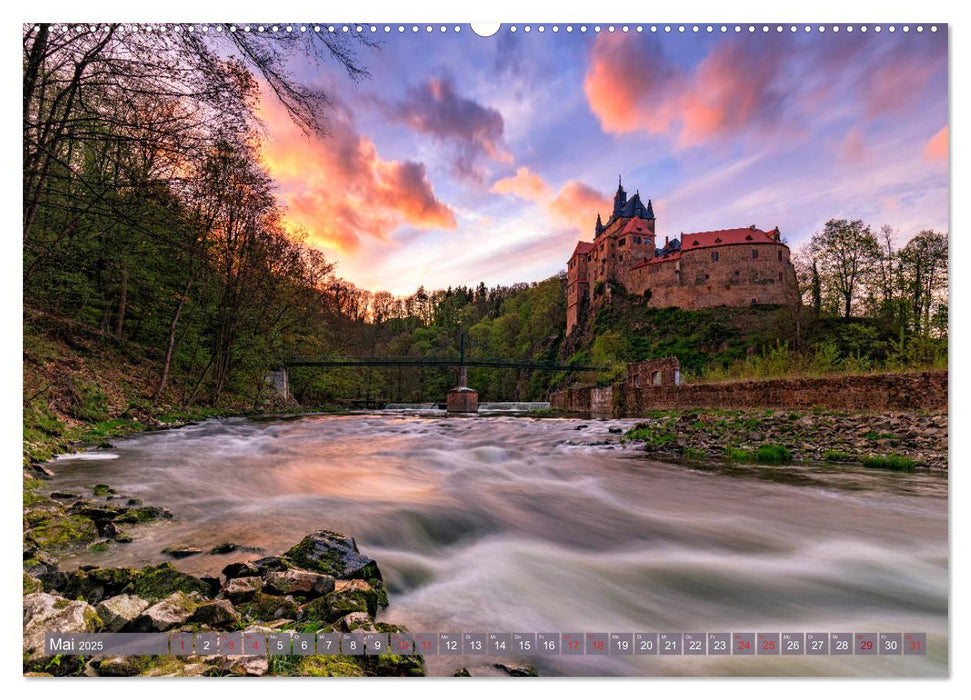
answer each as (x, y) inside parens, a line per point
(485, 29)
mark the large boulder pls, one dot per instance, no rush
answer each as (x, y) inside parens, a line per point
(218, 614)
(266, 608)
(333, 554)
(119, 612)
(354, 596)
(299, 582)
(157, 582)
(93, 586)
(240, 590)
(166, 614)
(44, 613)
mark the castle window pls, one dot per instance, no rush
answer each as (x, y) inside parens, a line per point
(755, 253)
(780, 276)
(656, 378)
(714, 256)
(736, 273)
(780, 256)
(621, 241)
(621, 257)
(637, 239)
(707, 276)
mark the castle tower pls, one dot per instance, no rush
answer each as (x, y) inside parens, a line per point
(620, 198)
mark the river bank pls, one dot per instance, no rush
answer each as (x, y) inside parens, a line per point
(321, 585)
(895, 440)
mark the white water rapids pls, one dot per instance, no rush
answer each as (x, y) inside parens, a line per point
(512, 524)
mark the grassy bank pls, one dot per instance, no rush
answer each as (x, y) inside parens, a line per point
(896, 441)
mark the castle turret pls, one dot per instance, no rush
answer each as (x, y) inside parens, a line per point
(599, 227)
(620, 198)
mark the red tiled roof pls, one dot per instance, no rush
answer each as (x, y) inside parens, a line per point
(582, 247)
(728, 236)
(636, 225)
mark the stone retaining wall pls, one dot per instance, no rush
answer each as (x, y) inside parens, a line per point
(870, 392)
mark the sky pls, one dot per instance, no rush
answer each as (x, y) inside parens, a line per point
(463, 158)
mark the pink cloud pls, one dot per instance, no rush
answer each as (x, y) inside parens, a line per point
(630, 86)
(339, 188)
(524, 184)
(577, 204)
(936, 148)
(852, 148)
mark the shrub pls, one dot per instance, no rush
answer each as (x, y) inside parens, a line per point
(897, 463)
(772, 454)
(735, 454)
(838, 456)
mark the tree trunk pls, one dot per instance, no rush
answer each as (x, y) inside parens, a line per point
(122, 303)
(171, 344)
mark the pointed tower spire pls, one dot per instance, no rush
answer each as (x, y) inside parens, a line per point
(599, 228)
(620, 199)
(650, 210)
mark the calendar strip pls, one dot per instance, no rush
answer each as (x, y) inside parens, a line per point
(492, 644)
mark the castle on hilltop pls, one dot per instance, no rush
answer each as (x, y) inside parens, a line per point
(730, 267)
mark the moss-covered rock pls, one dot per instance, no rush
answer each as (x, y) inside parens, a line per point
(333, 554)
(217, 614)
(241, 590)
(41, 511)
(122, 665)
(44, 613)
(340, 666)
(67, 532)
(93, 585)
(143, 514)
(264, 607)
(31, 584)
(156, 582)
(173, 611)
(102, 490)
(353, 596)
(393, 665)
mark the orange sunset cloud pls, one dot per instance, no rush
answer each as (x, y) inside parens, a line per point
(936, 148)
(524, 184)
(576, 204)
(338, 188)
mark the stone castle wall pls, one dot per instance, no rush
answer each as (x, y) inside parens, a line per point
(696, 280)
(923, 391)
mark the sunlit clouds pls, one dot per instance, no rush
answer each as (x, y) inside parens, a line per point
(459, 162)
(340, 190)
(936, 148)
(524, 184)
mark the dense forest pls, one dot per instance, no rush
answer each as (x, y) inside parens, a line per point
(151, 227)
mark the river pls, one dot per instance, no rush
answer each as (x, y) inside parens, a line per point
(511, 524)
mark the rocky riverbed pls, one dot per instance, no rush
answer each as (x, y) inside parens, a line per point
(921, 438)
(322, 584)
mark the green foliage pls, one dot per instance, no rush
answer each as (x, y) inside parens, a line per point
(894, 462)
(838, 456)
(737, 454)
(772, 454)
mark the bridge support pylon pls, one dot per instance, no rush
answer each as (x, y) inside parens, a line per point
(462, 399)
